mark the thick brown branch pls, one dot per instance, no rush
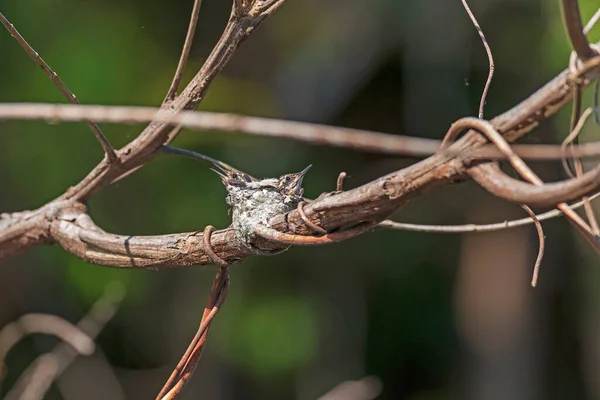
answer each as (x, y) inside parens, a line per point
(76, 232)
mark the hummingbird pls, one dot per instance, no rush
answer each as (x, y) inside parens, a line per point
(288, 184)
(238, 183)
(291, 184)
(253, 201)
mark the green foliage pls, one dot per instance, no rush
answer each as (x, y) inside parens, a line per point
(88, 282)
(270, 335)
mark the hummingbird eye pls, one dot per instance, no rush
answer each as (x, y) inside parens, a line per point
(288, 178)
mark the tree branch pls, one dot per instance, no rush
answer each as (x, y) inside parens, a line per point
(369, 203)
(306, 132)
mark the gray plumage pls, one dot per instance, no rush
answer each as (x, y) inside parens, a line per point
(256, 201)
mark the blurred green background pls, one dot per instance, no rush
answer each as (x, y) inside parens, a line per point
(406, 315)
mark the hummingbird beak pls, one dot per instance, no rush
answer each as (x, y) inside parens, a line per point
(228, 174)
(303, 172)
(222, 175)
(225, 171)
(222, 169)
(296, 186)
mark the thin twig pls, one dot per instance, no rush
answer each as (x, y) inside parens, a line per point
(573, 21)
(214, 257)
(573, 136)
(106, 146)
(471, 228)
(488, 51)
(590, 25)
(339, 184)
(541, 241)
(577, 124)
(596, 106)
(314, 227)
(299, 240)
(185, 52)
(186, 366)
(174, 384)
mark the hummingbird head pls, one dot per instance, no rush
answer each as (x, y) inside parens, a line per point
(231, 176)
(291, 184)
